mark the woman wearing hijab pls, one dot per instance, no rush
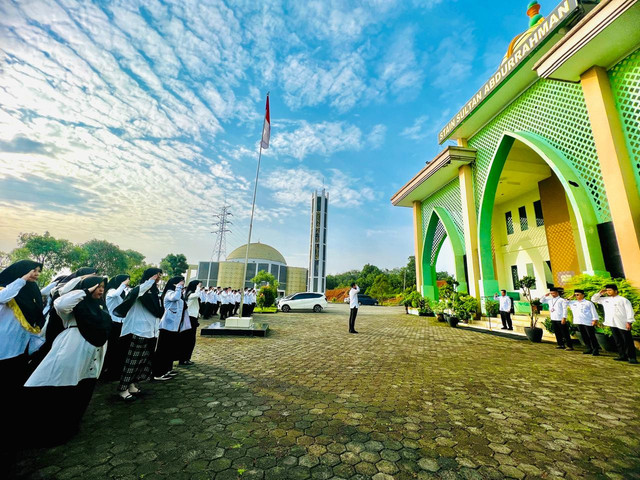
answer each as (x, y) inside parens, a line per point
(21, 321)
(117, 346)
(141, 310)
(65, 379)
(174, 321)
(188, 337)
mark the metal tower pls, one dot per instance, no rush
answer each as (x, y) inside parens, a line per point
(317, 280)
(220, 230)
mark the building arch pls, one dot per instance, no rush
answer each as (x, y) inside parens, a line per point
(575, 190)
(432, 244)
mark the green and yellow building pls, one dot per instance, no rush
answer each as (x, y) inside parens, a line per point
(544, 175)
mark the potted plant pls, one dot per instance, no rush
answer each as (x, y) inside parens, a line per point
(533, 332)
(605, 339)
(492, 307)
(439, 309)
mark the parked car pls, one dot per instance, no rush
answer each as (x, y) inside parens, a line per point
(303, 301)
(363, 300)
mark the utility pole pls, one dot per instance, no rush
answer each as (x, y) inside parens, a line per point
(220, 230)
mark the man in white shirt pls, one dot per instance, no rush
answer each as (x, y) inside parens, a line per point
(353, 305)
(618, 314)
(506, 305)
(558, 314)
(585, 317)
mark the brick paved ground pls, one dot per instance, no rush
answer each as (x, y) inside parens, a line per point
(406, 398)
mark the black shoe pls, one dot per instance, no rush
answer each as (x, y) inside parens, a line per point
(504, 328)
(560, 347)
(621, 359)
(587, 352)
(596, 353)
(633, 361)
(510, 329)
(353, 331)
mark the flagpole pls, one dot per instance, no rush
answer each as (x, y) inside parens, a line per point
(253, 207)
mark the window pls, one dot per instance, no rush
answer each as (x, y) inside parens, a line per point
(537, 208)
(509, 220)
(524, 223)
(514, 277)
(531, 273)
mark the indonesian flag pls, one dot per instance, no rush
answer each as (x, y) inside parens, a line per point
(266, 127)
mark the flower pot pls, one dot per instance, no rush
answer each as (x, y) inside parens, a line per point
(533, 334)
(440, 317)
(580, 339)
(606, 343)
(452, 321)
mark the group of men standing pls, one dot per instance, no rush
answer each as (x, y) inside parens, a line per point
(226, 302)
(618, 316)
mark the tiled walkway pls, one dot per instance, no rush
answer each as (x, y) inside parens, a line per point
(406, 398)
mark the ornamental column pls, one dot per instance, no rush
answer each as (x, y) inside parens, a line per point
(617, 170)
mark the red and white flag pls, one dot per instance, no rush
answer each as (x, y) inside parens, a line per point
(266, 127)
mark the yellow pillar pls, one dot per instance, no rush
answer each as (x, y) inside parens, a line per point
(417, 242)
(617, 170)
(470, 225)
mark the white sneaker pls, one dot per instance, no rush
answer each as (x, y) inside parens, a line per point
(163, 378)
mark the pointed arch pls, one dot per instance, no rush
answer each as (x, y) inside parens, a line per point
(430, 252)
(575, 190)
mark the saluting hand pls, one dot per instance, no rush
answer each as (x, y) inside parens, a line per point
(31, 276)
(92, 289)
(126, 282)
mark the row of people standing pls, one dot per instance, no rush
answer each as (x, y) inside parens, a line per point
(226, 302)
(54, 352)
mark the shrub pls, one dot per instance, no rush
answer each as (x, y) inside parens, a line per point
(492, 307)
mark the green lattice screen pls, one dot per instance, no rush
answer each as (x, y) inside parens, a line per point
(557, 111)
(625, 83)
(448, 197)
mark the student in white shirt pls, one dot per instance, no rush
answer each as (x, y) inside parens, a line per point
(619, 315)
(141, 311)
(188, 337)
(558, 315)
(115, 295)
(585, 317)
(353, 306)
(67, 376)
(21, 322)
(174, 321)
(506, 305)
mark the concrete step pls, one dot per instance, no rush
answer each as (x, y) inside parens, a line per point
(518, 321)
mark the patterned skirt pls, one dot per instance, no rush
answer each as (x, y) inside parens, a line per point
(137, 364)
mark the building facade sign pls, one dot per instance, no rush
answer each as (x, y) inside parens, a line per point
(549, 25)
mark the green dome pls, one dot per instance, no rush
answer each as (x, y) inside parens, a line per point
(258, 251)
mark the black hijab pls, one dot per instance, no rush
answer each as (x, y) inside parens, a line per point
(91, 314)
(171, 286)
(150, 300)
(29, 298)
(78, 273)
(193, 284)
(115, 282)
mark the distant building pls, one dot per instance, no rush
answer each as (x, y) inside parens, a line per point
(318, 243)
(262, 257)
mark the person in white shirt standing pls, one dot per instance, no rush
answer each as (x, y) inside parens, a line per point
(353, 305)
(585, 317)
(558, 314)
(618, 314)
(506, 305)
(141, 311)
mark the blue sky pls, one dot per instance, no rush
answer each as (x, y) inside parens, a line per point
(135, 121)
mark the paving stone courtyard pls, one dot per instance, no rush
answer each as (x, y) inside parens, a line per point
(406, 398)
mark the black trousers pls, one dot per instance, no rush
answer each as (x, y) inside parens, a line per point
(352, 319)
(166, 352)
(188, 340)
(506, 320)
(588, 333)
(216, 306)
(562, 333)
(624, 342)
(117, 348)
(224, 309)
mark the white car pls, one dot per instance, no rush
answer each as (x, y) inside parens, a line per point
(303, 301)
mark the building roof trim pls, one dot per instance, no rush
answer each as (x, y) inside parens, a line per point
(437, 173)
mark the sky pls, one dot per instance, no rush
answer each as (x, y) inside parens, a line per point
(136, 121)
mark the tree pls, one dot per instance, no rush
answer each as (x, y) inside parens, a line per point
(53, 253)
(446, 276)
(266, 296)
(104, 256)
(367, 276)
(410, 271)
(381, 288)
(526, 283)
(266, 278)
(134, 259)
(174, 265)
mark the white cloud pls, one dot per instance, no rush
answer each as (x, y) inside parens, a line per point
(376, 137)
(417, 130)
(324, 139)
